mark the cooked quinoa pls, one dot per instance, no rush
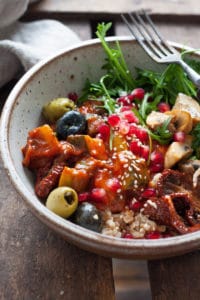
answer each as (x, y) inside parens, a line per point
(136, 224)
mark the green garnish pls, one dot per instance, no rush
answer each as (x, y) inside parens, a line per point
(159, 86)
(166, 84)
(108, 103)
(147, 106)
(196, 140)
(116, 65)
(162, 133)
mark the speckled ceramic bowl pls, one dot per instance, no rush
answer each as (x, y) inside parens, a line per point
(55, 77)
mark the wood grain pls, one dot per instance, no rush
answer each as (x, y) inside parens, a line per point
(169, 10)
(92, 6)
(35, 263)
(38, 264)
(175, 278)
(187, 34)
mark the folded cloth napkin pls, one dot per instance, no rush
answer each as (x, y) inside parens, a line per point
(24, 44)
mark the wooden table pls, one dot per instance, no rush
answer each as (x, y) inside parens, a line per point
(35, 263)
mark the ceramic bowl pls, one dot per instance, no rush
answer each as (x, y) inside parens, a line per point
(54, 77)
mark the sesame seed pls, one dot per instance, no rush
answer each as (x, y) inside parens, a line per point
(153, 204)
(96, 217)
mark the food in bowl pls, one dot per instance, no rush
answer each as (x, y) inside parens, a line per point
(115, 159)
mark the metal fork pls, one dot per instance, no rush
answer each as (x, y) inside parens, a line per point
(143, 29)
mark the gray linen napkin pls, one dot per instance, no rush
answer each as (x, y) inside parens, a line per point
(24, 44)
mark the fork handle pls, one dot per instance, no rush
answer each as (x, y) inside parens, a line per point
(192, 74)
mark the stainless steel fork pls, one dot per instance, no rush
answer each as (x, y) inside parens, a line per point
(143, 29)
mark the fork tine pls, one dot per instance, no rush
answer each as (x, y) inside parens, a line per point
(153, 27)
(144, 34)
(158, 42)
(140, 41)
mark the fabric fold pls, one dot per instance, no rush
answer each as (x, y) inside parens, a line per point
(22, 45)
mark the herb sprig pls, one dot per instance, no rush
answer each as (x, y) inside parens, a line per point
(116, 64)
(164, 85)
(196, 140)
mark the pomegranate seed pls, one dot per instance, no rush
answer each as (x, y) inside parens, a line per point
(133, 129)
(127, 236)
(162, 107)
(123, 100)
(113, 184)
(157, 157)
(97, 194)
(104, 131)
(135, 147)
(145, 152)
(156, 168)
(82, 197)
(142, 135)
(126, 107)
(135, 206)
(179, 136)
(138, 93)
(156, 162)
(113, 120)
(124, 127)
(153, 235)
(148, 193)
(130, 117)
(131, 97)
(73, 96)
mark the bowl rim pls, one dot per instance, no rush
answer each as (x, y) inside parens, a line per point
(81, 237)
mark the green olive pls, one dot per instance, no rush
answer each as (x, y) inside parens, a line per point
(56, 108)
(63, 201)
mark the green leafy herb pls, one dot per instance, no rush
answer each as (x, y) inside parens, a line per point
(196, 140)
(163, 86)
(108, 103)
(166, 84)
(162, 133)
(147, 106)
(116, 64)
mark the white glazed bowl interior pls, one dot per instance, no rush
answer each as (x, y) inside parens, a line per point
(55, 77)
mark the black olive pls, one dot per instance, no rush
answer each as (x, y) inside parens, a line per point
(88, 216)
(72, 122)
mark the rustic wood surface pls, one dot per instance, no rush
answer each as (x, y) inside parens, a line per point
(175, 278)
(38, 264)
(177, 7)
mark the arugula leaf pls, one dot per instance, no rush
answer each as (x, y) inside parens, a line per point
(162, 133)
(166, 84)
(109, 103)
(116, 64)
(196, 141)
(146, 107)
(162, 86)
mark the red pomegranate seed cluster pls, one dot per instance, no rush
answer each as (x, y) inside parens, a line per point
(156, 162)
(163, 107)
